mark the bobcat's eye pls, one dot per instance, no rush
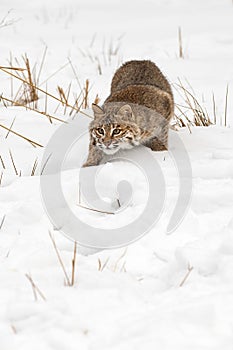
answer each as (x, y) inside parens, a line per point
(116, 131)
(100, 131)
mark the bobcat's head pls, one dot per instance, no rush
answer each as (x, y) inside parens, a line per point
(112, 131)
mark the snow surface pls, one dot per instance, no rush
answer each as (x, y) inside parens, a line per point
(128, 298)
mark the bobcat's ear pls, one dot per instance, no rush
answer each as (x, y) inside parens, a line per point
(98, 111)
(126, 111)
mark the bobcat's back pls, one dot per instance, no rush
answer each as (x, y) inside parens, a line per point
(142, 83)
(139, 73)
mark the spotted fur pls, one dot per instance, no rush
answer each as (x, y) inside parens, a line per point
(137, 111)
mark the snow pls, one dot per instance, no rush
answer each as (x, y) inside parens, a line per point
(163, 291)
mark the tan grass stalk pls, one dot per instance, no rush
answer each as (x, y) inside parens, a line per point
(78, 109)
(10, 128)
(201, 118)
(16, 98)
(75, 104)
(2, 222)
(33, 92)
(190, 268)
(214, 108)
(185, 116)
(2, 162)
(99, 264)
(225, 111)
(179, 121)
(1, 176)
(181, 53)
(41, 65)
(119, 259)
(190, 86)
(5, 23)
(67, 97)
(46, 105)
(86, 92)
(45, 163)
(53, 74)
(96, 210)
(33, 143)
(34, 167)
(31, 109)
(123, 269)
(99, 68)
(190, 131)
(104, 264)
(13, 68)
(75, 74)
(62, 95)
(60, 260)
(35, 288)
(73, 264)
(12, 82)
(44, 92)
(13, 163)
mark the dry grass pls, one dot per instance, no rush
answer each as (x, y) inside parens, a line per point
(214, 109)
(190, 268)
(45, 163)
(13, 163)
(181, 52)
(2, 221)
(63, 98)
(192, 113)
(12, 102)
(119, 260)
(5, 22)
(73, 264)
(86, 92)
(1, 176)
(12, 123)
(36, 291)
(225, 109)
(34, 167)
(13, 68)
(101, 266)
(115, 267)
(102, 58)
(33, 143)
(68, 282)
(31, 89)
(96, 210)
(2, 162)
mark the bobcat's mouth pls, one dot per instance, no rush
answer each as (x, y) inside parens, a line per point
(110, 149)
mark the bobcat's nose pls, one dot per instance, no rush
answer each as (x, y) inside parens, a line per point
(107, 143)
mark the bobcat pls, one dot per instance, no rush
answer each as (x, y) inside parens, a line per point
(138, 111)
